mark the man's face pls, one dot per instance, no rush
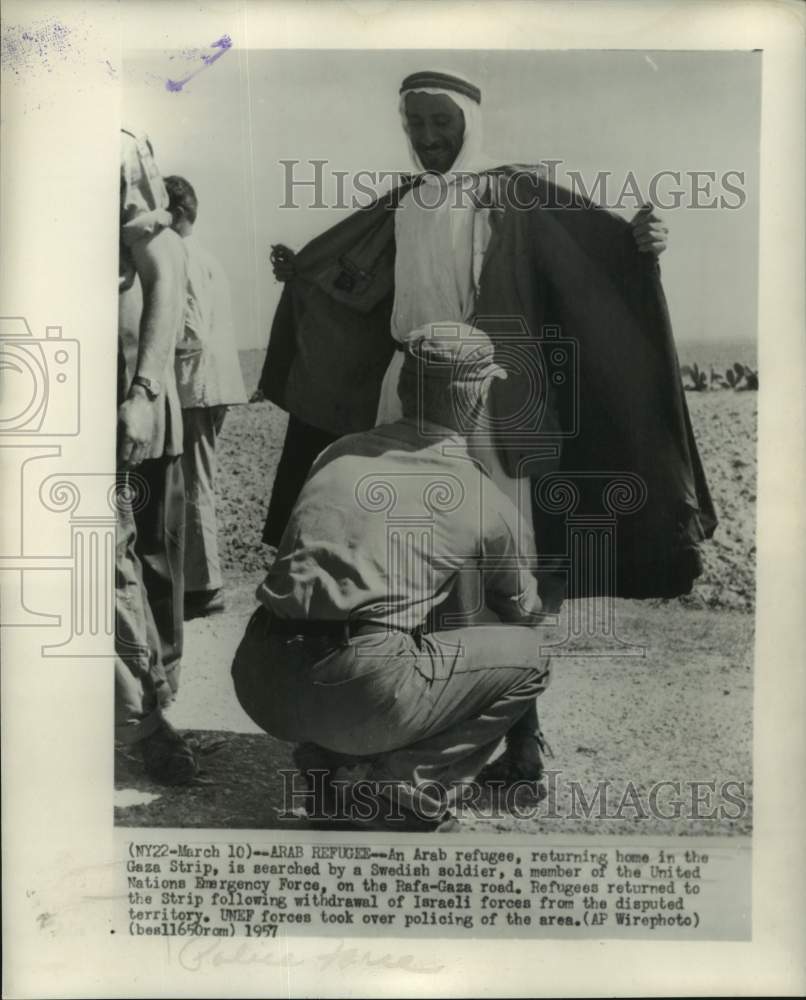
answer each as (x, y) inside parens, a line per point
(436, 127)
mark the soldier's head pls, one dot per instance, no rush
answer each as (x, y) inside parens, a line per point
(447, 374)
(438, 111)
(182, 204)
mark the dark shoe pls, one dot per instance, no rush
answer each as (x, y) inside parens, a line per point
(410, 822)
(199, 603)
(325, 774)
(523, 763)
(167, 756)
(314, 770)
(329, 779)
(400, 819)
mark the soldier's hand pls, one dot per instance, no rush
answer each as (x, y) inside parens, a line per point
(135, 428)
(283, 262)
(649, 230)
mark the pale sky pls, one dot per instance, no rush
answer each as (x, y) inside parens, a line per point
(227, 130)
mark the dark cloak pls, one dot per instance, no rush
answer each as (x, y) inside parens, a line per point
(580, 321)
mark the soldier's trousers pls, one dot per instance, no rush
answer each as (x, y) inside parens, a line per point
(148, 594)
(429, 710)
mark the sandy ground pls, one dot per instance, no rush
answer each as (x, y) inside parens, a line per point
(675, 705)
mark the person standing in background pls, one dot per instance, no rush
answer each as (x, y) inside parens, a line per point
(150, 494)
(209, 380)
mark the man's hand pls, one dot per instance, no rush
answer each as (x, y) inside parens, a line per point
(650, 232)
(283, 262)
(135, 428)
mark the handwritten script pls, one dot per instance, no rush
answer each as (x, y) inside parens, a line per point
(197, 955)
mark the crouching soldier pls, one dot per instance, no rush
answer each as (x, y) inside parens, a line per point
(342, 656)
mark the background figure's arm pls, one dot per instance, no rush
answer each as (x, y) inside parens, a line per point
(159, 263)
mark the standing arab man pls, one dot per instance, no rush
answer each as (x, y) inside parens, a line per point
(441, 235)
(503, 247)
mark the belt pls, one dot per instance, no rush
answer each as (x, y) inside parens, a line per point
(334, 629)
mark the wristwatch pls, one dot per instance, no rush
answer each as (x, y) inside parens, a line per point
(152, 387)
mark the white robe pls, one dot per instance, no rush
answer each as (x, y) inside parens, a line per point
(437, 268)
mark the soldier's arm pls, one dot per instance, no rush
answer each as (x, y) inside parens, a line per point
(159, 262)
(509, 582)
